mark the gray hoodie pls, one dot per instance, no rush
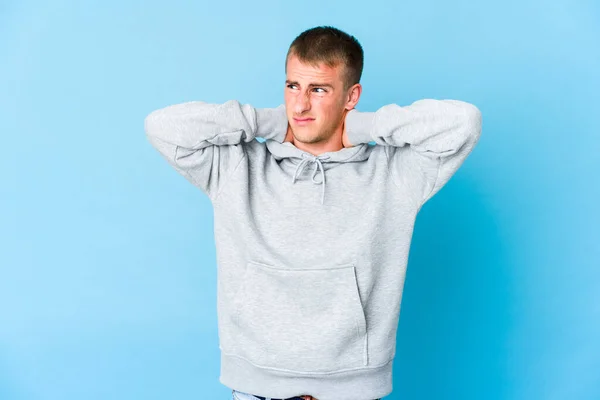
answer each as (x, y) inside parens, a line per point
(312, 250)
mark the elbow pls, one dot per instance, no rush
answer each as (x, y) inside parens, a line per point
(470, 116)
(472, 113)
(152, 123)
(473, 121)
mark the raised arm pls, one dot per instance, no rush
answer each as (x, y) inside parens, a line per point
(427, 140)
(205, 142)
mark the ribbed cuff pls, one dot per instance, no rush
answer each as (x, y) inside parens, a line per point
(358, 126)
(272, 123)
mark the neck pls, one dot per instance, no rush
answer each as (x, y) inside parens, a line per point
(334, 143)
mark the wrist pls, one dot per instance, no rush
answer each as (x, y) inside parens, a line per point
(272, 123)
(357, 126)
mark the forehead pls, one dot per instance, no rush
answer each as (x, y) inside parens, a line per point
(297, 70)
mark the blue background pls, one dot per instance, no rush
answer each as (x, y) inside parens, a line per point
(107, 261)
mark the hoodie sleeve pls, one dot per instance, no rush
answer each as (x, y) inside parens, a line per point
(427, 141)
(204, 141)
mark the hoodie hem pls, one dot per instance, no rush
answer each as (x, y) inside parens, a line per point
(355, 384)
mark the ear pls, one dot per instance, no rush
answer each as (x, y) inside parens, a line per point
(353, 95)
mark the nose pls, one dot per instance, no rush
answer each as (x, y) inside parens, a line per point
(302, 104)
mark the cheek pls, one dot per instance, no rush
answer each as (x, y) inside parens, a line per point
(329, 110)
(323, 106)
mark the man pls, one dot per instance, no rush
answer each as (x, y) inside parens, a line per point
(311, 264)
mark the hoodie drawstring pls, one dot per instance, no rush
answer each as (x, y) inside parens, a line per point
(317, 160)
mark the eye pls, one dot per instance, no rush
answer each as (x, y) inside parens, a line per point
(323, 90)
(291, 86)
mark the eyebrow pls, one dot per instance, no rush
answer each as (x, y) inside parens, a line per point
(288, 82)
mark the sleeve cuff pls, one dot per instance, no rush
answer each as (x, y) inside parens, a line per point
(358, 126)
(272, 123)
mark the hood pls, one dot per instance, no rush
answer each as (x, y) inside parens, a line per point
(322, 162)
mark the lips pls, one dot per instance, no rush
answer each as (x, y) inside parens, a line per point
(303, 121)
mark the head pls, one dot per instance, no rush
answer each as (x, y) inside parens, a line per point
(323, 69)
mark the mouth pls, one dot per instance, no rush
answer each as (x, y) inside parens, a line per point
(303, 121)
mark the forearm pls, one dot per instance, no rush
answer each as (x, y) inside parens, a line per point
(196, 124)
(428, 125)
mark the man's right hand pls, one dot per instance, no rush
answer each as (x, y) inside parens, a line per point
(289, 136)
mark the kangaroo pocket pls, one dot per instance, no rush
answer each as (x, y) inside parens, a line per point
(306, 320)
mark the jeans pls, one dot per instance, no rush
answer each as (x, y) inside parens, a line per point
(247, 396)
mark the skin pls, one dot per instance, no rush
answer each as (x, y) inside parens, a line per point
(318, 93)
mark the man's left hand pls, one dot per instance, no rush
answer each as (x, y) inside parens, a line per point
(345, 141)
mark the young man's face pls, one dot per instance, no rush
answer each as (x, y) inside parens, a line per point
(315, 99)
